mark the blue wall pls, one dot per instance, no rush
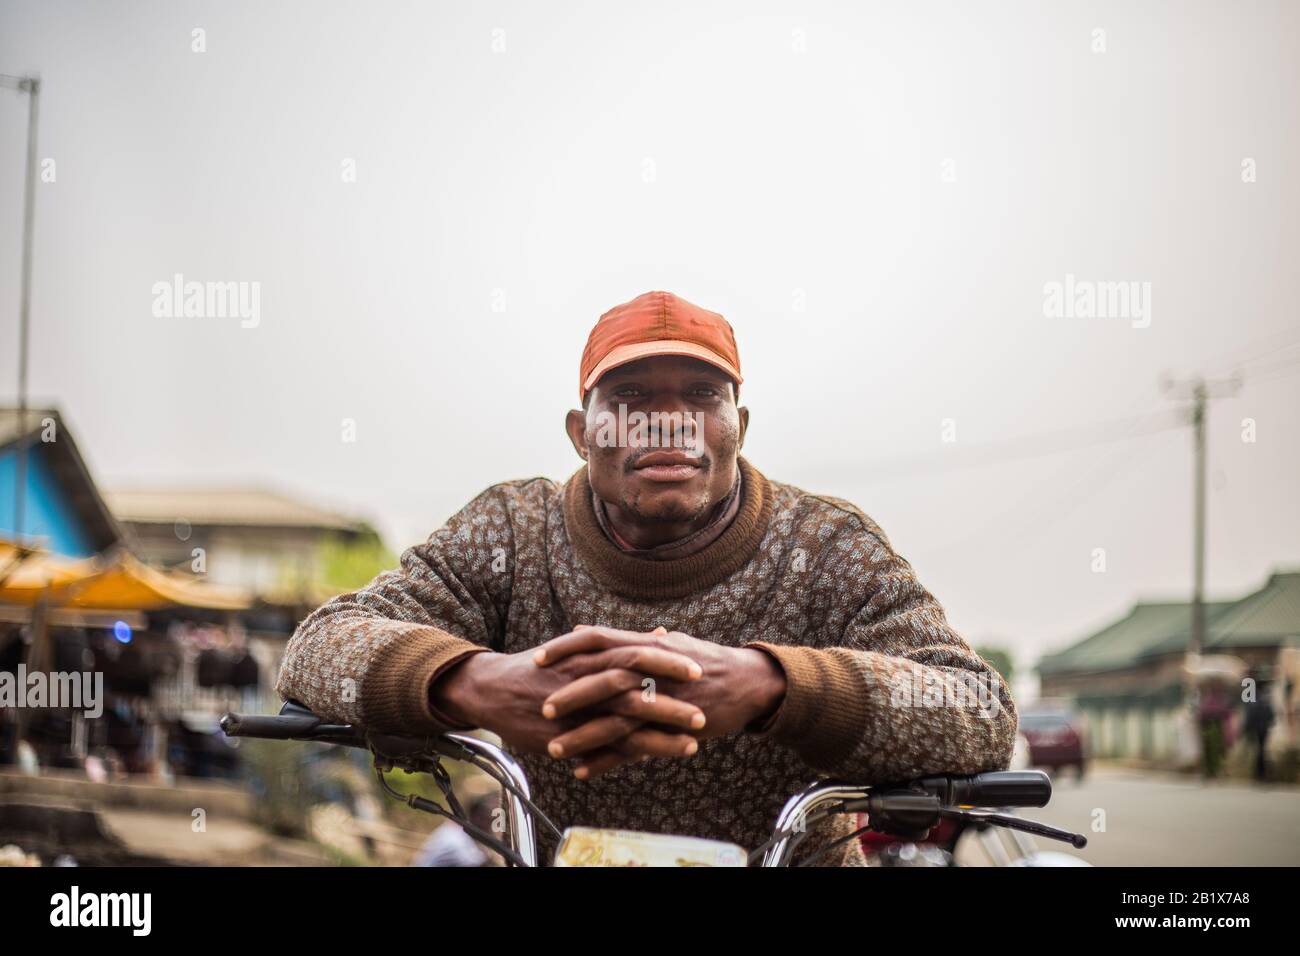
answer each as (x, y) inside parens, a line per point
(46, 511)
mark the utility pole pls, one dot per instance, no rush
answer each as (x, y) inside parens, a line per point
(1199, 392)
(32, 87)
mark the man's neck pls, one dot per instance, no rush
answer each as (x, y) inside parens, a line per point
(642, 536)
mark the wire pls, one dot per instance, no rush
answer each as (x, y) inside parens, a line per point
(1276, 371)
(1078, 437)
(797, 831)
(477, 833)
(1046, 512)
(1260, 349)
(1030, 446)
(832, 845)
(509, 784)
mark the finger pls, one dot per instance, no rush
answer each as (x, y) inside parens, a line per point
(584, 639)
(639, 745)
(643, 658)
(661, 709)
(594, 734)
(649, 742)
(589, 690)
(601, 761)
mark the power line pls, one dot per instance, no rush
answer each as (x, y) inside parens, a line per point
(1276, 370)
(1043, 514)
(1265, 347)
(1024, 447)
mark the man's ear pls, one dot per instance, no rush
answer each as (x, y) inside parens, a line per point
(575, 423)
(744, 424)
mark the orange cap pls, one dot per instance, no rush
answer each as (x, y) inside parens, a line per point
(657, 323)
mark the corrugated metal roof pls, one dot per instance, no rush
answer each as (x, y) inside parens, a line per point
(1268, 616)
(1121, 643)
(1272, 613)
(244, 507)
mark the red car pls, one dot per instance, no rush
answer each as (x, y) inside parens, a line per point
(1055, 740)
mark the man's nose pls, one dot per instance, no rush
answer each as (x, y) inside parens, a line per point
(670, 419)
(667, 404)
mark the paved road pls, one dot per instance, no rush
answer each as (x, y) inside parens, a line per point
(1153, 819)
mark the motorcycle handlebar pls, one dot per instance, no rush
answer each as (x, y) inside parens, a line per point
(1000, 788)
(279, 727)
(1003, 789)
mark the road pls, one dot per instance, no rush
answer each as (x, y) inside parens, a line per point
(1138, 818)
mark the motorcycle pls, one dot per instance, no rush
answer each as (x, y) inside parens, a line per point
(910, 810)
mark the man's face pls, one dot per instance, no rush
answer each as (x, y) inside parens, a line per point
(673, 469)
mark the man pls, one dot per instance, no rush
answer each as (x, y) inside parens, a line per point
(669, 641)
(1258, 722)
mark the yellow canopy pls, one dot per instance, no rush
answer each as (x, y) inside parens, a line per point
(13, 554)
(121, 582)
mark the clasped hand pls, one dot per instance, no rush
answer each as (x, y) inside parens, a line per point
(608, 697)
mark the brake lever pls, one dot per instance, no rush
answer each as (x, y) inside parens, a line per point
(993, 818)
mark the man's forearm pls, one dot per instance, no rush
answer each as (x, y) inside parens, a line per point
(369, 657)
(872, 716)
(348, 664)
(899, 693)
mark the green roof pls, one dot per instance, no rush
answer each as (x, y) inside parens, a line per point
(1118, 645)
(1269, 616)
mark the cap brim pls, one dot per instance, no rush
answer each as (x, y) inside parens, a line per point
(639, 350)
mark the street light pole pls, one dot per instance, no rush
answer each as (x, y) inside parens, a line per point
(1197, 642)
(32, 87)
(1199, 392)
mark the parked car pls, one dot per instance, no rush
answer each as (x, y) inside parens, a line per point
(1055, 740)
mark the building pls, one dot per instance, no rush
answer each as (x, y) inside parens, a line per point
(1129, 680)
(271, 544)
(183, 602)
(60, 504)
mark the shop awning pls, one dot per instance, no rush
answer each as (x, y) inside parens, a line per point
(120, 582)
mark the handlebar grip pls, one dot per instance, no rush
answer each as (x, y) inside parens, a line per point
(1001, 788)
(271, 727)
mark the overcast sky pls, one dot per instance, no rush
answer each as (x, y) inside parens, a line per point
(876, 196)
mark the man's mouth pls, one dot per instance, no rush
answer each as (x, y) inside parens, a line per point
(667, 466)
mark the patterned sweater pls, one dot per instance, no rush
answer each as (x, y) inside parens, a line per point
(879, 686)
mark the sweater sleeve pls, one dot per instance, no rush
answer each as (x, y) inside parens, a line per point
(899, 694)
(370, 657)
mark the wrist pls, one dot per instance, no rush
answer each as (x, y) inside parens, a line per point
(770, 686)
(453, 694)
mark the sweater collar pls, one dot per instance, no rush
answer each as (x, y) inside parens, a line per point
(626, 574)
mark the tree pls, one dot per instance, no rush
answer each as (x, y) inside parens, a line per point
(999, 659)
(347, 565)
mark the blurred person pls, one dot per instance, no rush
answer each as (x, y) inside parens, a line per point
(1288, 702)
(668, 641)
(1213, 713)
(1257, 723)
(28, 761)
(449, 845)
